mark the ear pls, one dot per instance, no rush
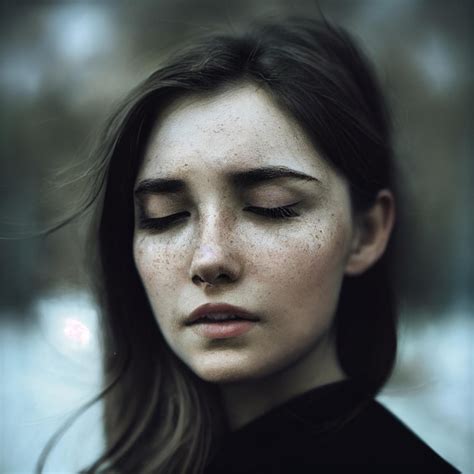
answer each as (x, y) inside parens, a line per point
(371, 233)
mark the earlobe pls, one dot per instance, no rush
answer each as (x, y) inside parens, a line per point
(371, 234)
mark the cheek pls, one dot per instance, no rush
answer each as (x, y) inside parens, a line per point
(303, 285)
(154, 262)
(312, 257)
(303, 275)
(323, 259)
(155, 269)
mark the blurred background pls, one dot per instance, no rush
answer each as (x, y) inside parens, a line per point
(63, 66)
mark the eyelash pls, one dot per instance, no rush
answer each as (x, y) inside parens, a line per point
(159, 223)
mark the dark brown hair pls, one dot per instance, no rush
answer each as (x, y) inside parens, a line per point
(158, 414)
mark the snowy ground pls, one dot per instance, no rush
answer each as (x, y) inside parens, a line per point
(50, 371)
(52, 368)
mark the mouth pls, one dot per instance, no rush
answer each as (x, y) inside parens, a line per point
(219, 312)
(220, 320)
(222, 329)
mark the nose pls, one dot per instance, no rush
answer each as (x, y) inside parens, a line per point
(214, 260)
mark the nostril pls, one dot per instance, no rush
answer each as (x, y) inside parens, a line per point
(223, 276)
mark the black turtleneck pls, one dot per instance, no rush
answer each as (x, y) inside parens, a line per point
(330, 429)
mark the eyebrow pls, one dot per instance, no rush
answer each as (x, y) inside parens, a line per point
(244, 179)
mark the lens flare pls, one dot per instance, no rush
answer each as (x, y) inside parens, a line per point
(77, 332)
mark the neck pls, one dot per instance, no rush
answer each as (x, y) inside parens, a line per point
(247, 400)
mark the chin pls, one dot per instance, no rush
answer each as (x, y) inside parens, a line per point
(221, 371)
(223, 374)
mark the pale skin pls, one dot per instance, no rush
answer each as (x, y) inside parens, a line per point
(287, 271)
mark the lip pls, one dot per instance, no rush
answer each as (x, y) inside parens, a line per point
(224, 330)
(209, 308)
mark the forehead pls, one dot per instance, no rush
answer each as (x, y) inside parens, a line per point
(232, 130)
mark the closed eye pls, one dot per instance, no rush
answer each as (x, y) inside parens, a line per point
(283, 212)
(161, 223)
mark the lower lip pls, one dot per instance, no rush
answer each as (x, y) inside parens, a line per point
(223, 329)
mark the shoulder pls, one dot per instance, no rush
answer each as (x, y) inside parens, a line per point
(296, 439)
(377, 437)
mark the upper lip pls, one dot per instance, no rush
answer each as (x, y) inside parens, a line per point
(208, 308)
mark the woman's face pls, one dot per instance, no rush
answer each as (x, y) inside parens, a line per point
(286, 271)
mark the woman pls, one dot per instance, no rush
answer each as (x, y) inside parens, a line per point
(245, 233)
